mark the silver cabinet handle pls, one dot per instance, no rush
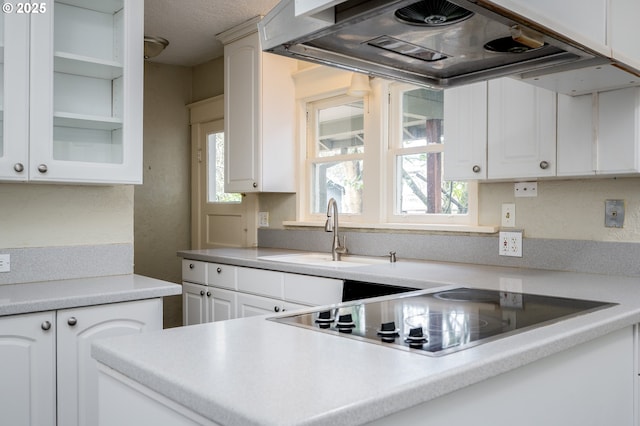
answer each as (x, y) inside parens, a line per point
(72, 321)
(42, 168)
(476, 169)
(544, 165)
(45, 325)
(18, 167)
(191, 266)
(276, 308)
(219, 270)
(201, 292)
(208, 294)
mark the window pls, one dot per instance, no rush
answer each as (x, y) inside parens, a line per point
(381, 158)
(415, 156)
(336, 155)
(215, 171)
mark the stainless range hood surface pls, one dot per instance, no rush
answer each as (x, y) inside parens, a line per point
(369, 37)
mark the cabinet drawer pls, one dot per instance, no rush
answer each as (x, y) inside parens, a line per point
(312, 291)
(194, 271)
(259, 281)
(220, 275)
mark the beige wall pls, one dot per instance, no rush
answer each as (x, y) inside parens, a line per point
(64, 215)
(162, 203)
(208, 80)
(567, 209)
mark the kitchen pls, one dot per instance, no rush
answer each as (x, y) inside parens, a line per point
(565, 218)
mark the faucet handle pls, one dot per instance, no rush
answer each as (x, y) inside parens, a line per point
(392, 256)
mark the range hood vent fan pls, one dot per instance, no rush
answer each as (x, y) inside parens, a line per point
(432, 13)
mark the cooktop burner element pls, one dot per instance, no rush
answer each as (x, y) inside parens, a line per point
(442, 322)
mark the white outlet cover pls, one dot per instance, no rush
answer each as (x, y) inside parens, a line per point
(525, 189)
(5, 263)
(510, 244)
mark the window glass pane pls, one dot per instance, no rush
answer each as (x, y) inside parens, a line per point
(422, 112)
(215, 171)
(340, 130)
(421, 189)
(341, 180)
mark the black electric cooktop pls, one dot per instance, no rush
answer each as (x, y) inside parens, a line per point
(438, 323)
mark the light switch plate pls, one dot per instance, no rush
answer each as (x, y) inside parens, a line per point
(508, 215)
(5, 263)
(263, 219)
(614, 213)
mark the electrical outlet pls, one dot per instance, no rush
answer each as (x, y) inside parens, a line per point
(614, 213)
(526, 189)
(510, 244)
(5, 263)
(263, 219)
(508, 215)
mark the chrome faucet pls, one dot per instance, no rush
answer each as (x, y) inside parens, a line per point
(337, 249)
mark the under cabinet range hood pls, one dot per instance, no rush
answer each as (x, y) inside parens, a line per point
(435, 43)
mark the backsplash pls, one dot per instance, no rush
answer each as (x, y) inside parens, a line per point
(611, 258)
(67, 262)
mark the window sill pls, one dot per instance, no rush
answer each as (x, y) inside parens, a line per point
(480, 229)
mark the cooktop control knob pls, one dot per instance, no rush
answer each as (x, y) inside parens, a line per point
(345, 323)
(416, 338)
(388, 331)
(324, 319)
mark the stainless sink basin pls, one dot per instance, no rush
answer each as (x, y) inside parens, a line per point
(324, 259)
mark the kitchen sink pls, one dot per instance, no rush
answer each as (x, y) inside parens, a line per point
(324, 259)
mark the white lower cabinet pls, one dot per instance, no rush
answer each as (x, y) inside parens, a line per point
(224, 292)
(52, 373)
(28, 373)
(202, 304)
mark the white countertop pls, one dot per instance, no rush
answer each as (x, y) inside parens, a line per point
(52, 295)
(255, 371)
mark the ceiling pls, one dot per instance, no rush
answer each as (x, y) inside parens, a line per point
(191, 26)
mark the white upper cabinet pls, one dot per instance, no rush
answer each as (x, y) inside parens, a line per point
(521, 131)
(465, 132)
(576, 149)
(259, 115)
(619, 131)
(623, 31)
(85, 83)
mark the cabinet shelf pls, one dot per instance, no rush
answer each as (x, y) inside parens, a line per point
(70, 63)
(67, 119)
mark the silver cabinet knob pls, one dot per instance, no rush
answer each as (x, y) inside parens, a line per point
(208, 294)
(191, 266)
(276, 308)
(219, 270)
(42, 168)
(45, 325)
(476, 169)
(72, 321)
(544, 165)
(201, 292)
(18, 167)
(255, 184)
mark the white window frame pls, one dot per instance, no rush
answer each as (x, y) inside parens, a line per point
(318, 84)
(395, 149)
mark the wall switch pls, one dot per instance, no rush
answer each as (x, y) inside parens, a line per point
(263, 219)
(510, 243)
(614, 213)
(508, 215)
(526, 189)
(5, 263)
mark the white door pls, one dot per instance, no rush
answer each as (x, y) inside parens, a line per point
(194, 310)
(220, 219)
(77, 370)
(223, 304)
(28, 371)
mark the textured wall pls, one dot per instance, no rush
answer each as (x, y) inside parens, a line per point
(162, 203)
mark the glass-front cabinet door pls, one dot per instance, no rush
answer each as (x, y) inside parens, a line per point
(14, 95)
(83, 102)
